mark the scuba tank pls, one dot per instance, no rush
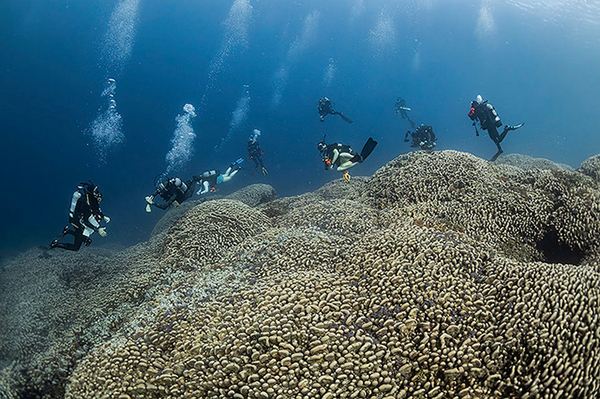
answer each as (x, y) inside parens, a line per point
(209, 173)
(495, 117)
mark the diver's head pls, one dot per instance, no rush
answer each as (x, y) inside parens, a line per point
(254, 135)
(92, 190)
(478, 99)
(322, 147)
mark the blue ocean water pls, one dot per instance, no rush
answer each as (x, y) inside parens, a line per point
(263, 64)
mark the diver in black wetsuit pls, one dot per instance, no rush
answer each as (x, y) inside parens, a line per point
(402, 110)
(85, 216)
(423, 137)
(489, 120)
(343, 156)
(172, 191)
(326, 108)
(255, 153)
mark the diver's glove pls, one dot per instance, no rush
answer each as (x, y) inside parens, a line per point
(264, 170)
(106, 219)
(148, 208)
(102, 232)
(346, 177)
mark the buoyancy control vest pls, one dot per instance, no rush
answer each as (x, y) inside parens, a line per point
(210, 176)
(487, 115)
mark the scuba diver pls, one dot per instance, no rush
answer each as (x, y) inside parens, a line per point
(343, 156)
(423, 137)
(172, 191)
(326, 108)
(402, 110)
(489, 120)
(255, 153)
(85, 216)
(210, 178)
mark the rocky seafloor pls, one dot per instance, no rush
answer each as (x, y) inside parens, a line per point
(440, 276)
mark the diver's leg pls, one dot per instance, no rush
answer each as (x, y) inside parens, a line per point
(507, 129)
(500, 151)
(496, 155)
(493, 133)
(346, 165)
(79, 239)
(229, 174)
(348, 160)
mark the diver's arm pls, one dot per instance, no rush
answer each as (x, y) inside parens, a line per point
(162, 206)
(91, 222)
(204, 189)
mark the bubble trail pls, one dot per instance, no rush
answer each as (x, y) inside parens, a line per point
(107, 129)
(236, 36)
(182, 141)
(119, 38)
(485, 22)
(238, 116)
(382, 37)
(329, 72)
(296, 50)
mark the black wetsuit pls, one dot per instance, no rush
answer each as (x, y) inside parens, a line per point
(399, 107)
(171, 192)
(86, 207)
(255, 154)
(326, 108)
(490, 121)
(424, 134)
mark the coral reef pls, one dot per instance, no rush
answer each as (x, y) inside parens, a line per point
(442, 275)
(208, 230)
(172, 215)
(527, 215)
(526, 162)
(591, 167)
(254, 194)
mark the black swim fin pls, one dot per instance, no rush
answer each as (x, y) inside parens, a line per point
(368, 148)
(344, 117)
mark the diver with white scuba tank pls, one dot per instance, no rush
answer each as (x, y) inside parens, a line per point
(210, 178)
(343, 157)
(85, 216)
(484, 112)
(172, 191)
